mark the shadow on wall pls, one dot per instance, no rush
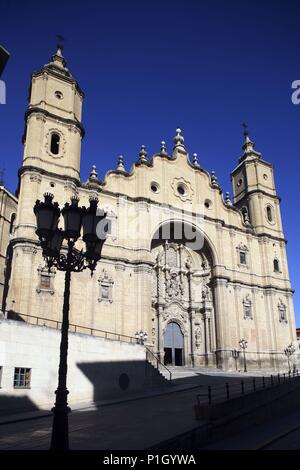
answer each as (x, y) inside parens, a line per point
(122, 378)
(10, 404)
(12, 315)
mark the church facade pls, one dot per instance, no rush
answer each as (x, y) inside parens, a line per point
(183, 263)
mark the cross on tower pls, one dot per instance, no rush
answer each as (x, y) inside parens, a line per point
(60, 42)
(2, 176)
(245, 126)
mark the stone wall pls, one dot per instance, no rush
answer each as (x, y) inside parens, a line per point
(95, 366)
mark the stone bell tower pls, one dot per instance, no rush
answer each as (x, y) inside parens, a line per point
(51, 163)
(53, 129)
(52, 141)
(254, 191)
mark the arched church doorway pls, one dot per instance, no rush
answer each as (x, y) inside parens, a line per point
(183, 315)
(173, 345)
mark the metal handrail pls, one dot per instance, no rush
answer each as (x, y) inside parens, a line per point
(158, 362)
(92, 331)
(224, 391)
(129, 339)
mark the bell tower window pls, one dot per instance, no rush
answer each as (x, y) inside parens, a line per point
(269, 214)
(276, 265)
(54, 144)
(12, 223)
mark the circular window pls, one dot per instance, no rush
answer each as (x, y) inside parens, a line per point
(59, 95)
(265, 176)
(124, 381)
(207, 203)
(181, 189)
(154, 187)
(239, 183)
(52, 184)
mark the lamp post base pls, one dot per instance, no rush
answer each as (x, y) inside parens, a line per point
(60, 427)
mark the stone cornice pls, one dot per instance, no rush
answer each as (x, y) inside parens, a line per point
(34, 169)
(52, 70)
(8, 193)
(225, 280)
(118, 260)
(259, 191)
(247, 162)
(37, 110)
(244, 230)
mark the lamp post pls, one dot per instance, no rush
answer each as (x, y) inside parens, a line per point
(68, 259)
(243, 345)
(288, 352)
(141, 337)
(235, 355)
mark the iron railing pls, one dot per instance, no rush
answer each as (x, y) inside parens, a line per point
(40, 321)
(235, 389)
(151, 357)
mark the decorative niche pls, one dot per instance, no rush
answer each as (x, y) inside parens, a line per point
(105, 288)
(46, 280)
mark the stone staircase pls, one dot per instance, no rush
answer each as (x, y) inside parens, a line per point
(156, 377)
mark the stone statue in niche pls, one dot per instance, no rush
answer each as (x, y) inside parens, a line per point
(173, 285)
(171, 256)
(198, 337)
(206, 293)
(188, 262)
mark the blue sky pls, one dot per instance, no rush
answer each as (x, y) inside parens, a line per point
(149, 67)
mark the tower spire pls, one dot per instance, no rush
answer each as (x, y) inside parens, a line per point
(249, 152)
(57, 60)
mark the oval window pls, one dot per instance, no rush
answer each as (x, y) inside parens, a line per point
(154, 187)
(181, 189)
(59, 95)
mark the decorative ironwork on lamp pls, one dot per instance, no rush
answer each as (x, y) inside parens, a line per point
(68, 259)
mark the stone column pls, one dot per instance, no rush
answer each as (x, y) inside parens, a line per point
(192, 337)
(221, 314)
(205, 336)
(159, 312)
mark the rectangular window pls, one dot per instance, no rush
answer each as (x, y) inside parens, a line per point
(45, 282)
(22, 377)
(282, 315)
(247, 311)
(243, 259)
(105, 292)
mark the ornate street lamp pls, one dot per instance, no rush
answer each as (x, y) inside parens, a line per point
(235, 355)
(243, 345)
(141, 337)
(68, 259)
(288, 352)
